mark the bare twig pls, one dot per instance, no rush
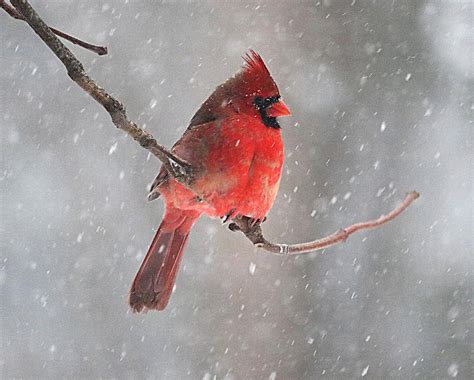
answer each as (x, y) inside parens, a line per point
(100, 50)
(177, 168)
(255, 235)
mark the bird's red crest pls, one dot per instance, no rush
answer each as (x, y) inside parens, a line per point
(254, 64)
(256, 78)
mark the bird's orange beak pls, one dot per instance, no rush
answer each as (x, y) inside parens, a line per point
(278, 109)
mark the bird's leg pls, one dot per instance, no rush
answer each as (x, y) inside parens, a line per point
(228, 216)
(250, 228)
(245, 223)
(255, 221)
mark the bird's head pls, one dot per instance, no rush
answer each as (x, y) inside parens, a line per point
(252, 91)
(261, 96)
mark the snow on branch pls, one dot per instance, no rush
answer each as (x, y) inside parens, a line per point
(180, 170)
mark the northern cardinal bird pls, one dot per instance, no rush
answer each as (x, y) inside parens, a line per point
(234, 144)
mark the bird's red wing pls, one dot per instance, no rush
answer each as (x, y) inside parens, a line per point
(189, 148)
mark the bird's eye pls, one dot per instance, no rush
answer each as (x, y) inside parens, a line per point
(259, 102)
(263, 103)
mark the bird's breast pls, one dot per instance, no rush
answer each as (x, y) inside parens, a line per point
(238, 164)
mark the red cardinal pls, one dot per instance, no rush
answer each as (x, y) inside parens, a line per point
(234, 144)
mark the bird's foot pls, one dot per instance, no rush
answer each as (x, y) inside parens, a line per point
(254, 221)
(234, 227)
(246, 223)
(228, 216)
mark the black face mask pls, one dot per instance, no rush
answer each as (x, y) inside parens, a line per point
(262, 104)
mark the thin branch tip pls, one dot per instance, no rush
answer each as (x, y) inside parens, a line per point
(14, 13)
(254, 232)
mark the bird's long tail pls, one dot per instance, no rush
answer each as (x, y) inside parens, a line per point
(153, 284)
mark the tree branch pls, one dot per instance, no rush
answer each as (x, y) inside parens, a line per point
(255, 235)
(176, 167)
(100, 50)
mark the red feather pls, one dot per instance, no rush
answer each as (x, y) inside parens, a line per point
(254, 64)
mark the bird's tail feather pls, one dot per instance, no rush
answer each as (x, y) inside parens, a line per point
(153, 284)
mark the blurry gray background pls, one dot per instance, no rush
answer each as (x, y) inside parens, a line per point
(380, 93)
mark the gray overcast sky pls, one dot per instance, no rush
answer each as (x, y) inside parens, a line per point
(380, 94)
